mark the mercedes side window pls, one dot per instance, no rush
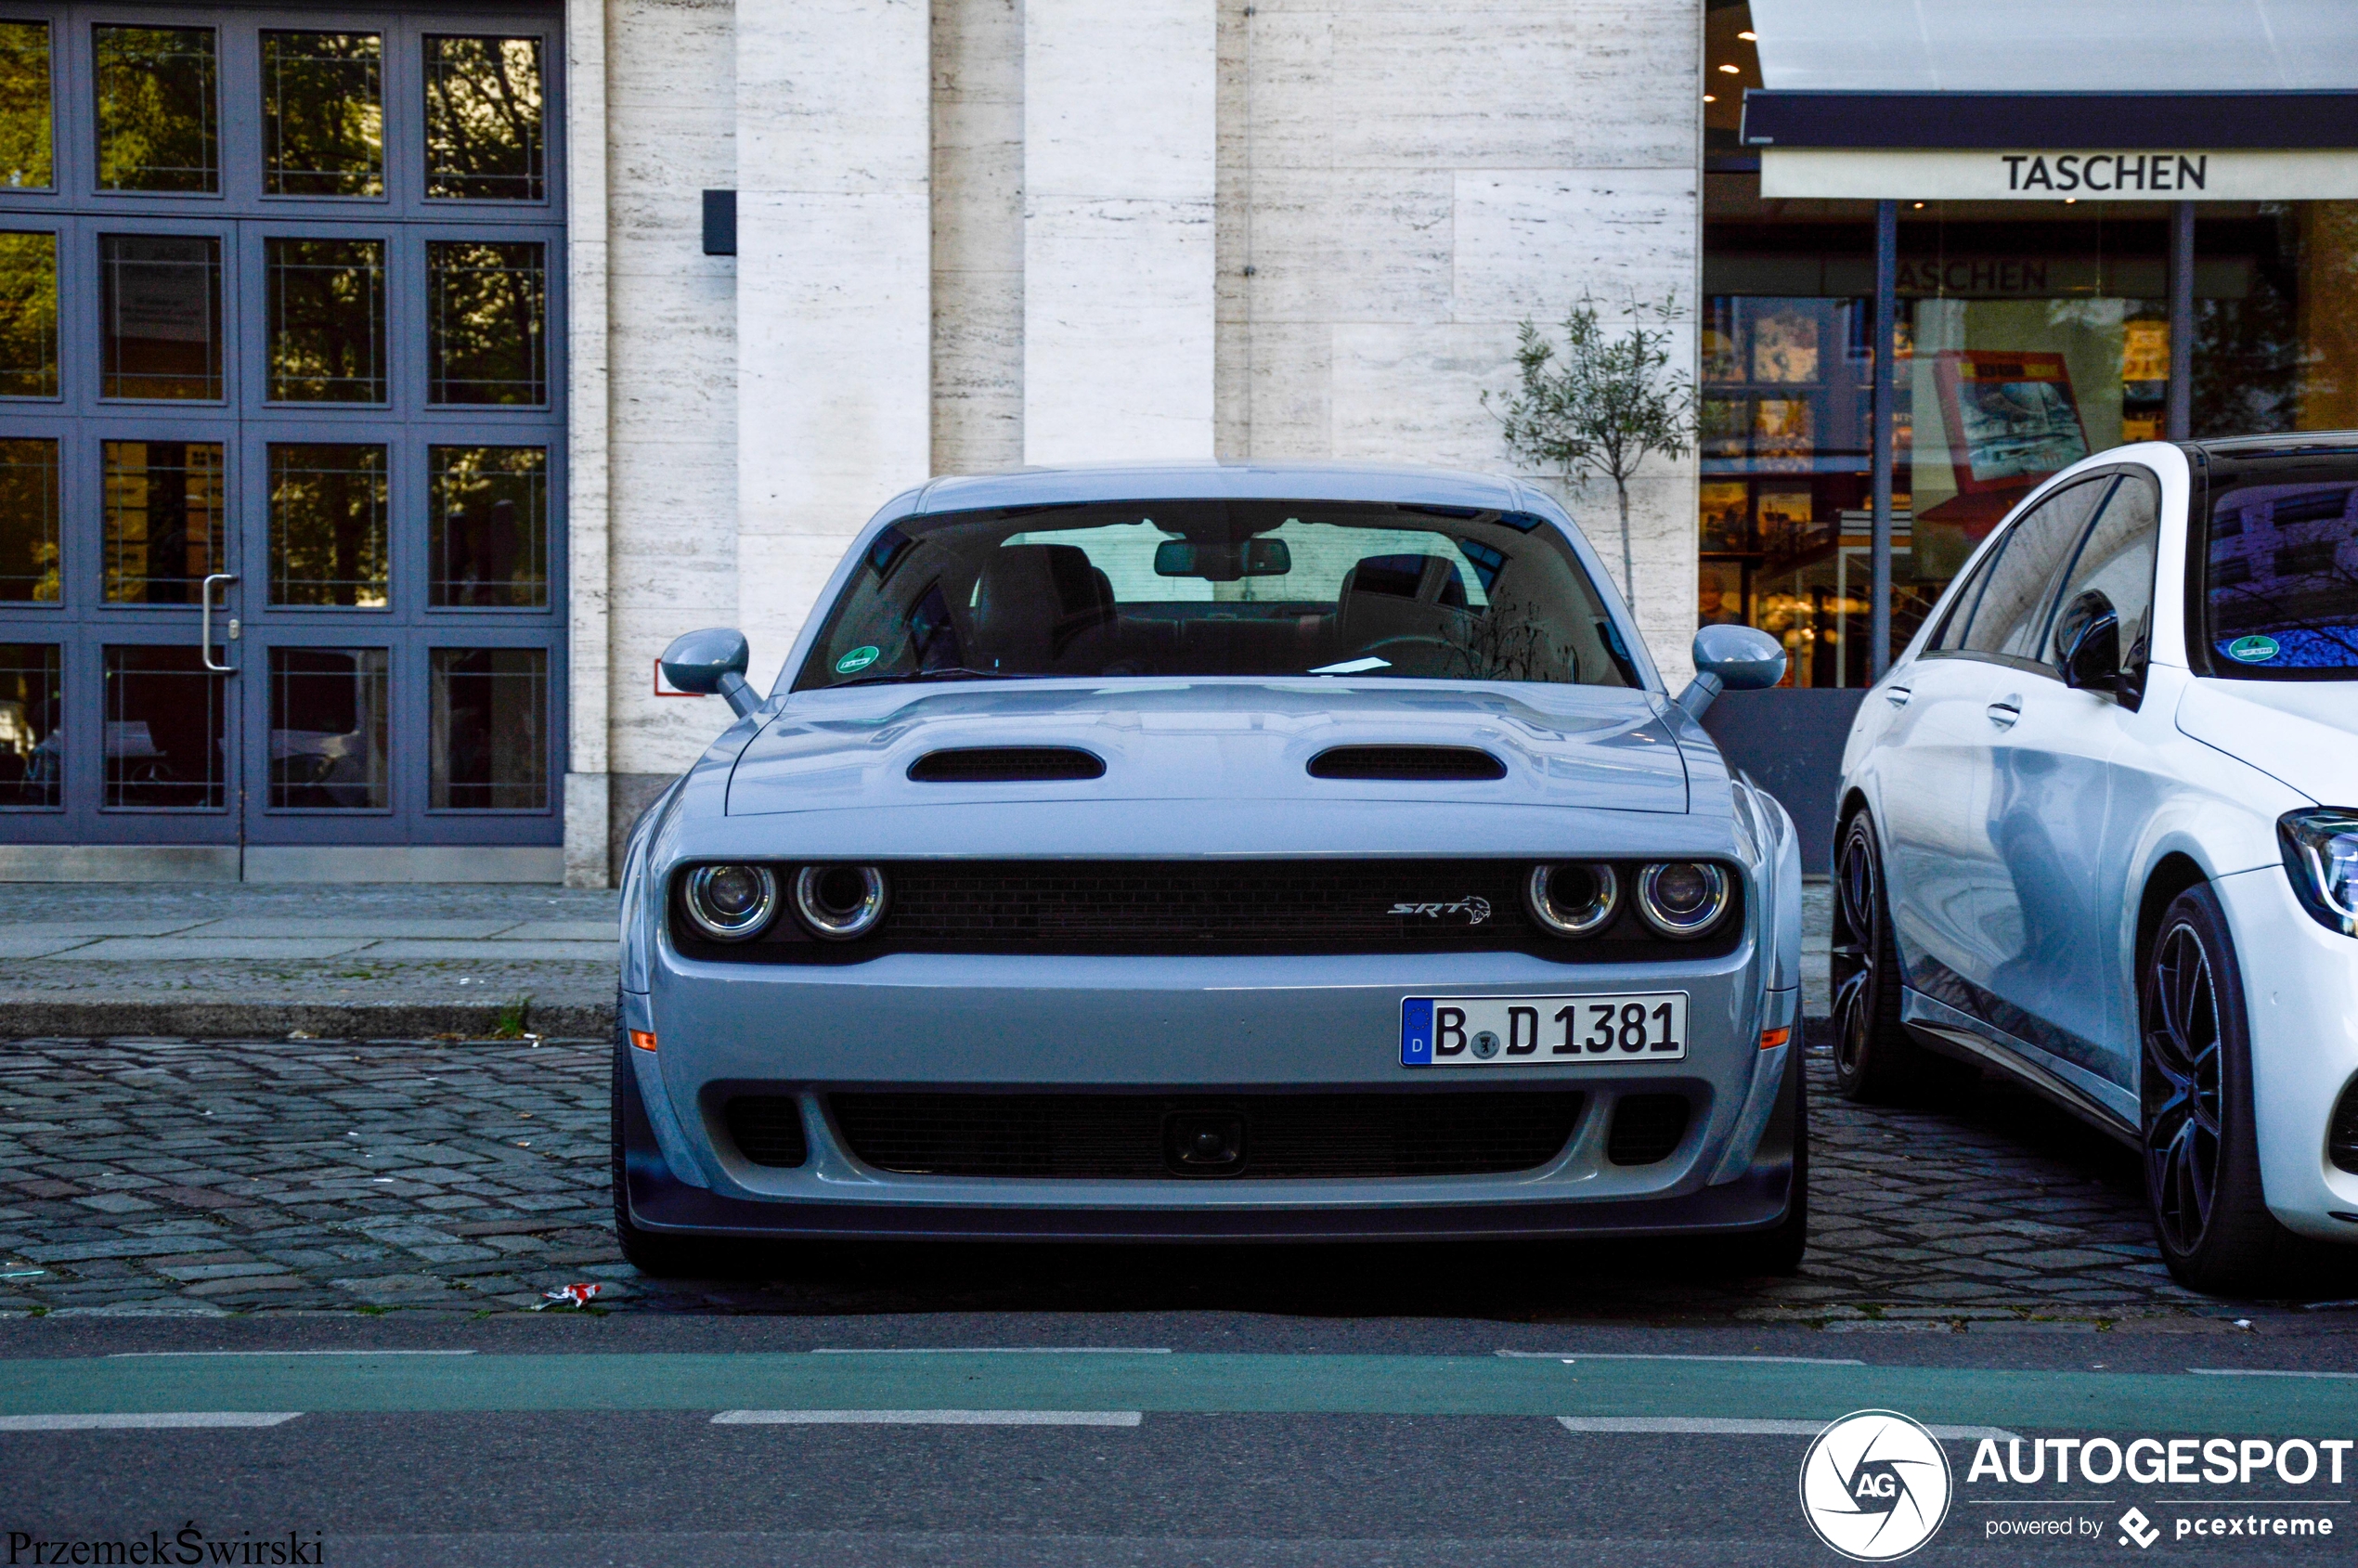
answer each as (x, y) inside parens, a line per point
(2010, 618)
(2115, 564)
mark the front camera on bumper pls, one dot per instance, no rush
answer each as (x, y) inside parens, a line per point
(1682, 897)
(732, 903)
(1573, 899)
(839, 902)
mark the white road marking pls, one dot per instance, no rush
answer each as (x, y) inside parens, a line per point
(153, 1355)
(993, 1350)
(1733, 1426)
(929, 1417)
(2257, 1372)
(1640, 1356)
(146, 1421)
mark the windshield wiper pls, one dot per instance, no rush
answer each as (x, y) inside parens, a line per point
(945, 672)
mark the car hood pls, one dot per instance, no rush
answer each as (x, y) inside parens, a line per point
(1235, 740)
(2304, 732)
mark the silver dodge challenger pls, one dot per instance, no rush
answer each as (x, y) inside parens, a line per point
(1212, 853)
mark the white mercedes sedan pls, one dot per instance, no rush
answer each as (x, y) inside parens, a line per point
(2099, 829)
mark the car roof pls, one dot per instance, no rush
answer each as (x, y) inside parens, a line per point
(2291, 446)
(1225, 481)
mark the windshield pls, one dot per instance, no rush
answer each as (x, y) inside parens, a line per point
(2279, 588)
(1157, 589)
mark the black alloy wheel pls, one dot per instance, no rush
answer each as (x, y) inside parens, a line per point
(1876, 1061)
(2199, 1135)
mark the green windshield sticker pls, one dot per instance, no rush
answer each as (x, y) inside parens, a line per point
(861, 658)
(2252, 649)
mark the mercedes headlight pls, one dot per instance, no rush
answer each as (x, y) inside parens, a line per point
(2321, 856)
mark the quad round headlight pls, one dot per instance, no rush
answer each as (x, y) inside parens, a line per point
(1682, 897)
(839, 902)
(1574, 897)
(732, 903)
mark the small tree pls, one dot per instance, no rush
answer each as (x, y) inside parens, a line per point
(1602, 407)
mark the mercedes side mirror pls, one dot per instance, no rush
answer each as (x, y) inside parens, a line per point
(2088, 637)
(709, 661)
(1731, 658)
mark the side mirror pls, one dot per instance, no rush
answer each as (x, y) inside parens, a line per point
(2088, 641)
(1731, 658)
(712, 660)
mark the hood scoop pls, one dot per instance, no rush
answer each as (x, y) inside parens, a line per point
(1431, 763)
(1006, 764)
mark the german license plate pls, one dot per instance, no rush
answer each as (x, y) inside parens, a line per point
(1649, 1026)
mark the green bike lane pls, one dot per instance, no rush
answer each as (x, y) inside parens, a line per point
(1633, 1387)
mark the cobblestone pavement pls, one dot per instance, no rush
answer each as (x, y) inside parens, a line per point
(173, 1175)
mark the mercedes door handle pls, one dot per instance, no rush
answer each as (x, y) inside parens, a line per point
(2004, 711)
(204, 623)
(1896, 695)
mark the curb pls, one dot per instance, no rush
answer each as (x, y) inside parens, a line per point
(29, 1019)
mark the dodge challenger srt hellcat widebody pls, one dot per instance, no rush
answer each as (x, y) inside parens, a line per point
(1212, 853)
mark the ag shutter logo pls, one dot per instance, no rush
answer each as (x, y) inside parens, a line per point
(1875, 1485)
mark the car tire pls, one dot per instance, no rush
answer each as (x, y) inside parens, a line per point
(2199, 1135)
(661, 1257)
(1875, 1060)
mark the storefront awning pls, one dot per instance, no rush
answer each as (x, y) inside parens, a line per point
(2177, 100)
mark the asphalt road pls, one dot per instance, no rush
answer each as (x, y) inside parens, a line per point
(1140, 1438)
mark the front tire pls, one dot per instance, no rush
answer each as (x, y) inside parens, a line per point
(1876, 1061)
(2200, 1135)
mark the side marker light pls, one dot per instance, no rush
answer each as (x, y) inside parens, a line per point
(1769, 1038)
(642, 1039)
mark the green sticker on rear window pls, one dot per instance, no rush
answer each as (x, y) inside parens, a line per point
(2252, 649)
(861, 658)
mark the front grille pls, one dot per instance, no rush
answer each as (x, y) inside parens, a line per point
(1211, 907)
(1130, 1136)
(767, 1129)
(1006, 764)
(2341, 1138)
(1410, 762)
(1645, 1128)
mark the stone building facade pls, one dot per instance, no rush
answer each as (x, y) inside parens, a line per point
(978, 233)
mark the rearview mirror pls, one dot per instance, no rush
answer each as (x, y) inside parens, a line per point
(1223, 562)
(1731, 658)
(2088, 639)
(709, 661)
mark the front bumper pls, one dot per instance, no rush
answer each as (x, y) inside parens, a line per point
(1178, 1026)
(2300, 986)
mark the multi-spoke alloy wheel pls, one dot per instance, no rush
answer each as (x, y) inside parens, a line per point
(1874, 1057)
(2182, 1087)
(2201, 1138)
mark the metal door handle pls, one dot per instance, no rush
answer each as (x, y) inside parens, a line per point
(1896, 695)
(2004, 711)
(204, 622)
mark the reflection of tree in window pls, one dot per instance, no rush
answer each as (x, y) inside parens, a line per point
(28, 314)
(160, 315)
(32, 743)
(29, 521)
(328, 525)
(157, 125)
(24, 104)
(327, 311)
(489, 722)
(322, 114)
(161, 519)
(483, 119)
(488, 539)
(328, 729)
(486, 342)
